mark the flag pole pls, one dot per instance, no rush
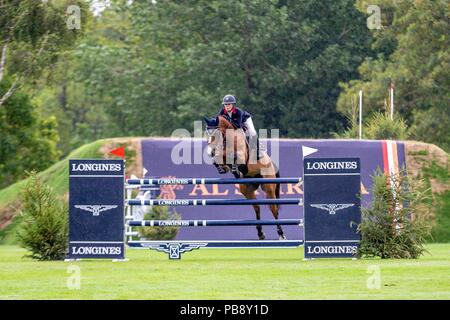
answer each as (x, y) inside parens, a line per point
(360, 114)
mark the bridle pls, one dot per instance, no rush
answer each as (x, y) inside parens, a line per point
(211, 132)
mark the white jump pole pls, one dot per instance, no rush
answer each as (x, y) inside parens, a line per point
(360, 114)
(392, 102)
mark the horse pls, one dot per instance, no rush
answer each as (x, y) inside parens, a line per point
(227, 145)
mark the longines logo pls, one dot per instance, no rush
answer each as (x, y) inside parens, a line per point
(168, 192)
(335, 165)
(96, 167)
(175, 223)
(173, 181)
(331, 249)
(172, 202)
(95, 209)
(332, 207)
(96, 250)
(175, 249)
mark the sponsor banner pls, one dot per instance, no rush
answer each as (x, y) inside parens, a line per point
(96, 209)
(332, 207)
(103, 250)
(337, 166)
(95, 167)
(162, 157)
(331, 249)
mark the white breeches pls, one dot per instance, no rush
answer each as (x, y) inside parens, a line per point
(250, 127)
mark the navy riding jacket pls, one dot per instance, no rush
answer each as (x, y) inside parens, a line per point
(238, 116)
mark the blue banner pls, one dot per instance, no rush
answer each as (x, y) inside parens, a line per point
(158, 160)
(96, 212)
(332, 207)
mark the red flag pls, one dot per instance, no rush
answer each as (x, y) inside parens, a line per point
(119, 152)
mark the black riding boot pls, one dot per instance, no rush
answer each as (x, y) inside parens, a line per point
(258, 156)
(220, 169)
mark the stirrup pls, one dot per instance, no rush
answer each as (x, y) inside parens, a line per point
(235, 171)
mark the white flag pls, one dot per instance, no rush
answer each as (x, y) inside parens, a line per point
(307, 151)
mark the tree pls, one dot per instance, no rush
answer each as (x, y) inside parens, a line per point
(412, 55)
(282, 59)
(32, 34)
(44, 230)
(27, 141)
(397, 222)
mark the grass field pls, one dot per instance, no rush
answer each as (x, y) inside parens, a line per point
(226, 274)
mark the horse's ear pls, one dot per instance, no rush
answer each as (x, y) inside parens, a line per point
(211, 122)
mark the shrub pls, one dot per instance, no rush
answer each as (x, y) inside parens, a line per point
(397, 224)
(44, 227)
(381, 127)
(160, 233)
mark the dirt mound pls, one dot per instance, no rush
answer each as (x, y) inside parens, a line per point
(420, 155)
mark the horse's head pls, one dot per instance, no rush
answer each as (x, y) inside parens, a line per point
(218, 130)
(213, 135)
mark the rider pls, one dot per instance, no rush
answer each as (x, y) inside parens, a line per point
(240, 119)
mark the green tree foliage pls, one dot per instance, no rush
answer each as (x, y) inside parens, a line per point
(27, 142)
(89, 80)
(382, 127)
(379, 126)
(413, 54)
(32, 35)
(161, 66)
(397, 222)
(160, 233)
(44, 227)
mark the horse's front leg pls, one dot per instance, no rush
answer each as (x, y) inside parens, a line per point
(274, 208)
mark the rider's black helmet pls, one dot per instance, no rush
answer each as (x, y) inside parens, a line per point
(229, 99)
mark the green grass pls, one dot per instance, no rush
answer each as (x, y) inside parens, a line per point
(226, 274)
(419, 153)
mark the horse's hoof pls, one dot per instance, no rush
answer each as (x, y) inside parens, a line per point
(282, 237)
(262, 236)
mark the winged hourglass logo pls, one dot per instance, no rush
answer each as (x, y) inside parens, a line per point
(95, 209)
(175, 249)
(332, 207)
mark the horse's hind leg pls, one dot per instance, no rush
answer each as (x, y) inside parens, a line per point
(249, 192)
(274, 208)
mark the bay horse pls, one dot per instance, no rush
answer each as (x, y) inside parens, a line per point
(227, 145)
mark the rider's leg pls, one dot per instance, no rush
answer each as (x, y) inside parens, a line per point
(253, 139)
(250, 127)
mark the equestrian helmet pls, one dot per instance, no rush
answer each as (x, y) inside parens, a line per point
(229, 99)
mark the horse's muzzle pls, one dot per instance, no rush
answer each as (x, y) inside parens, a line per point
(210, 152)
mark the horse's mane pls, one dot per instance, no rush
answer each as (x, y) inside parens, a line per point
(225, 124)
